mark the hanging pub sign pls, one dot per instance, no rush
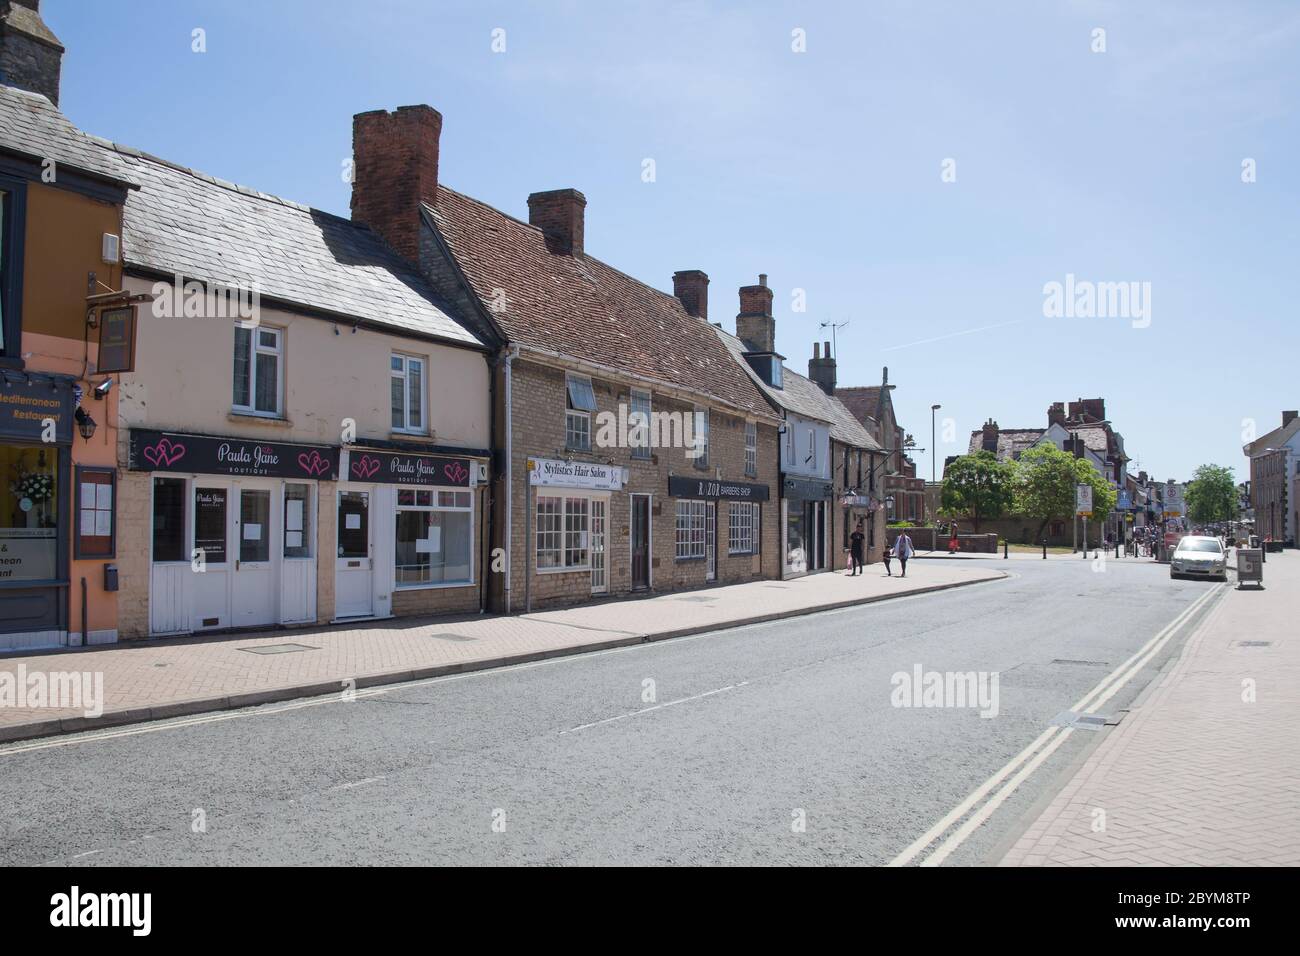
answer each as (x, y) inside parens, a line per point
(36, 408)
(205, 455)
(684, 487)
(396, 468)
(116, 340)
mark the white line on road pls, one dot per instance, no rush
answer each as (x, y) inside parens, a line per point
(646, 710)
(356, 783)
(1049, 739)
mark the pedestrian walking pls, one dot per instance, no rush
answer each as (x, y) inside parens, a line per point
(903, 550)
(888, 556)
(856, 541)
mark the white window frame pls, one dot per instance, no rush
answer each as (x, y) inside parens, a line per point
(404, 374)
(751, 449)
(701, 414)
(811, 460)
(435, 507)
(577, 419)
(257, 348)
(742, 527)
(690, 532)
(637, 432)
(557, 528)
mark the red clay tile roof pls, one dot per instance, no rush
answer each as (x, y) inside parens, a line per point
(583, 308)
(862, 401)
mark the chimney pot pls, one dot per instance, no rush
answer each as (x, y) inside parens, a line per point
(755, 325)
(821, 368)
(560, 214)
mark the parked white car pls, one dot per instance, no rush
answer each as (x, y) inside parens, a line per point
(1199, 556)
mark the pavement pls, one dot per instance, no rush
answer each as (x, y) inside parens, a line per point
(158, 680)
(1205, 771)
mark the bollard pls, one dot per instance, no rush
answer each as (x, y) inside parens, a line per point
(1044, 549)
(1005, 548)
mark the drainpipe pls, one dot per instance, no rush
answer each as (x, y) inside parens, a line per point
(508, 537)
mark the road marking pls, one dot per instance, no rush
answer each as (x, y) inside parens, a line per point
(1048, 740)
(647, 710)
(357, 783)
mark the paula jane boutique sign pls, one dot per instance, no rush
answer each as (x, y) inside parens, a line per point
(400, 469)
(205, 455)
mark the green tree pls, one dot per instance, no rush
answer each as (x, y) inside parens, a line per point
(1045, 483)
(1211, 495)
(977, 486)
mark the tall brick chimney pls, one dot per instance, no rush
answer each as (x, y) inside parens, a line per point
(1056, 414)
(31, 56)
(559, 213)
(692, 288)
(989, 441)
(396, 169)
(755, 325)
(821, 368)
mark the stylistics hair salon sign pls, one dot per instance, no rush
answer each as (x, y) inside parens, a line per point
(398, 469)
(205, 455)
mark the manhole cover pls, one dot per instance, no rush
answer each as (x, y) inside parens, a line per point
(279, 649)
(1254, 643)
(460, 638)
(1068, 718)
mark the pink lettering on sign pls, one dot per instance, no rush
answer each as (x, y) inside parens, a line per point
(365, 467)
(313, 464)
(164, 454)
(455, 471)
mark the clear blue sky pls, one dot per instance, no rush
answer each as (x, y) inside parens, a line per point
(820, 168)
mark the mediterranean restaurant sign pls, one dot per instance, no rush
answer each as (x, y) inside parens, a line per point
(395, 468)
(27, 403)
(205, 455)
(574, 474)
(683, 487)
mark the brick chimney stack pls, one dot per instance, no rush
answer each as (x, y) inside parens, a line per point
(396, 169)
(31, 56)
(821, 368)
(692, 288)
(559, 213)
(755, 325)
(1056, 414)
(989, 441)
(1288, 418)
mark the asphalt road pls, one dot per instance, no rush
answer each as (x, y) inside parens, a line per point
(565, 762)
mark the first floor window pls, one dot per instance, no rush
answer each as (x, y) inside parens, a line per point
(701, 448)
(434, 536)
(690, 529)
(639, 424)
(258, 370)
(563, 525)
(580, 399)
(406, 378)
(742, 520)
(751, 449)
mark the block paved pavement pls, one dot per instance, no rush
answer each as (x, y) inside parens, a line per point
(146, 680)
(1196, 775)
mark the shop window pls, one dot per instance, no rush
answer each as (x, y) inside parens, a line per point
(29, 513)
(259, 360)
(297, 521)
(742, 519)
(11, 268)
(580, 404)
(562, 533)
(210, 523)
(434, 537)
(639, 424)
(169, 520)
(751, 449)
(690, 529)
(407, 382)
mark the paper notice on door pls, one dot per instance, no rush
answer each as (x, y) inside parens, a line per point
(252, 532)
(293, 515)
(87, 523)
(104, 497)
(423, 546)
(103, 523)
(352, 522)
(87, 495)
(293, 539)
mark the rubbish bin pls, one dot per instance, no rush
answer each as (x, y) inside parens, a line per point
(1250, 567)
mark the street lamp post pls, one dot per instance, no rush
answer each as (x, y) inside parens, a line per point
(934, 446)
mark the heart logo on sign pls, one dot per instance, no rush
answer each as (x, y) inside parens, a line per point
(365, 467)
(164, 454)
(456, 472)
(313, 464)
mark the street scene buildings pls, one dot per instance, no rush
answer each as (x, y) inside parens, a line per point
(253, 451)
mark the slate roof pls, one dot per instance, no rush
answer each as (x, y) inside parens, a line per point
(1274, 439)
(1011, 441)
(803, 396)
(580, 307)
(183, 221)
(31, 126)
